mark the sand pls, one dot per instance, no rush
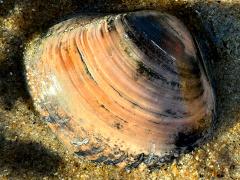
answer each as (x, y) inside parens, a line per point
(29, 150)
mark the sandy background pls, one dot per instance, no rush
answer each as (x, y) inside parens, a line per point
(28, 149)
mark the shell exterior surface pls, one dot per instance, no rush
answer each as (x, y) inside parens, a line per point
(121, 85)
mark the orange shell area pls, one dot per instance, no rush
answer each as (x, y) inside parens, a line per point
(94, 86)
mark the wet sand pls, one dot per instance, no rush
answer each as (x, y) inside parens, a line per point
(29, 150)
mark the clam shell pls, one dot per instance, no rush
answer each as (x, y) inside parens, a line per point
(116, 86)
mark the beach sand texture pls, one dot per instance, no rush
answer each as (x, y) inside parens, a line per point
(28, 148)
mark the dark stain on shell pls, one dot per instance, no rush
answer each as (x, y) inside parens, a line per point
(90, 152)
(187, 139)
(148, 72)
